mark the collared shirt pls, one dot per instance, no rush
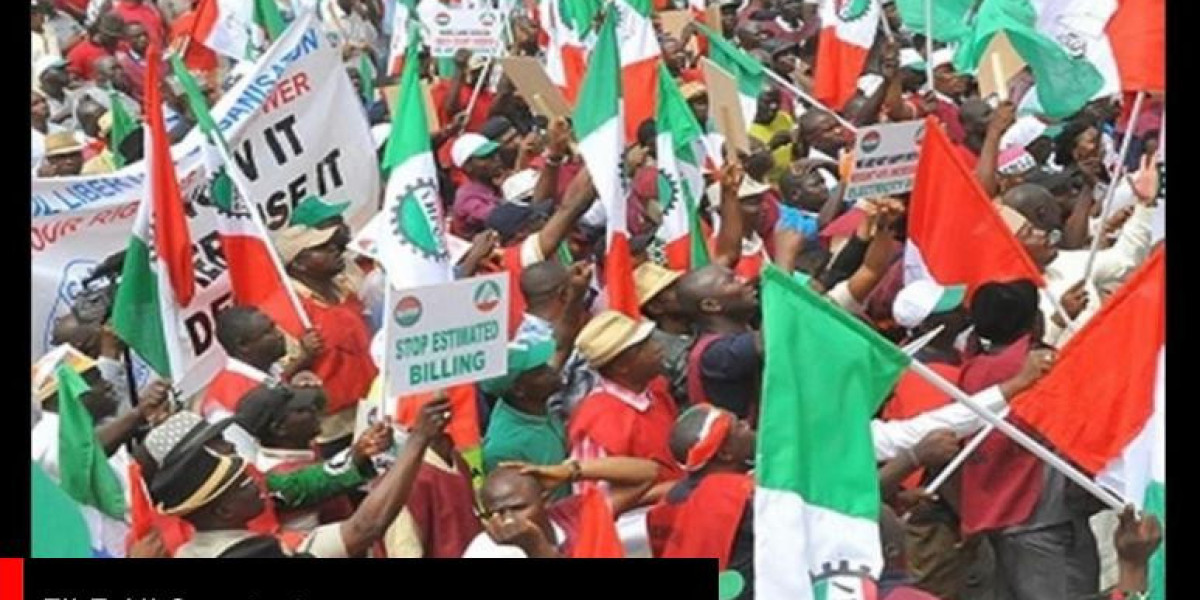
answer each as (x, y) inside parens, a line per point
(892, 437)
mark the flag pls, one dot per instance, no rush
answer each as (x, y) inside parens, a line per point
(745, 69)
(600, 127)
(412, 237)
(158, 276)
(1138, 32)
(640, 57)
(122, 125)
(1079, 27)
(403, 17)
(255, 271)
(567, 23)
(367, 72)
(239, 29)
(84, 472)
(847, 32)
(56, 526)
(811, 520)
(1064, 81)
(955, 234)
(597, 537)
(173, 530)
(680, 180)
(950, 17)
(1106, 410)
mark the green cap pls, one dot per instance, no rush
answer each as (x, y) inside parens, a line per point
(523, 356)
(313, 211)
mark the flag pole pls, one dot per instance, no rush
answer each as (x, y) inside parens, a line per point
(487, 70)
(929, 43)
(1110, 499)
(787, 85)
(385, 407)
(962, 456)
(916, 345)
(1058, 308)
(1115, 181)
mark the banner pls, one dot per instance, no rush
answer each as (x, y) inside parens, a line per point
(451, 29)
(77, 222)
(296, 128)
(443, 335)
(885, 160)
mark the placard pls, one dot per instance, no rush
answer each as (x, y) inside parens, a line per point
(450, 29)
(726, 106)
(534, 85)
(885, 159)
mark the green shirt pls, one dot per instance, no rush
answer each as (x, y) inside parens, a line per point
(515, 435)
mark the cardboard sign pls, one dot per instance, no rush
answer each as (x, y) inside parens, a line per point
(885, 159)
(451, 29)
(447, 334)
(534, 85)
(713, 17)
(725, 105)
(999, 65)
(673, 22)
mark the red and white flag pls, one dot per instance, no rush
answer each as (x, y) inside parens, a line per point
(566, 54)
(640, 55)
(847, 32)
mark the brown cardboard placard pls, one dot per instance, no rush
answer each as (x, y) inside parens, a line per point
(725, 105)
(713, 18)
(431, 114)
(534, 85)
(999, 65)
(673, 22)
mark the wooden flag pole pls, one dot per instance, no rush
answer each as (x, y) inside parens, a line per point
(799, 93)
(1020, 437)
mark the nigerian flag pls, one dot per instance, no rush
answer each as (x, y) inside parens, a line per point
(122, 125)
(816, 498)
(744, 68)
(83, 468)
(680, 181)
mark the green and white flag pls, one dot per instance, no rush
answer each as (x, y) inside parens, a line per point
(744, 68)
(410, 230)
(83, 469)
(816, 500)
(122, 125)
(680, 180)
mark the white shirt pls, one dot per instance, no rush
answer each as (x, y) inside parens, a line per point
(1112, 266)
(893, 437)
(484, 547)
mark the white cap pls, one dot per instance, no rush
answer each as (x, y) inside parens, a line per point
(45, 62)
(944, 56)
(518, 188)
(1022, 132)
(922, 298)
(380, 133)
(468, 146)
(869, 83)
(910, 58)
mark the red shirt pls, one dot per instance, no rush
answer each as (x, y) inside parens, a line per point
(479, 112)
(82, 55)
(701, 522)
(145, 14)
(442, 505)
(344, 365)
(619, 428)
(198, 56)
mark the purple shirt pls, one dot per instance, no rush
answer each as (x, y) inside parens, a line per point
(473, 202)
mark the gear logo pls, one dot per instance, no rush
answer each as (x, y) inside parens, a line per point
(668, 191)
(851, 10)
(416, 220)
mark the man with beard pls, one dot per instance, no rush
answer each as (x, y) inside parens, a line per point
(478, 158)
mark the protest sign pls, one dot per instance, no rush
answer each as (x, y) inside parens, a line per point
(885, 160)
(446, 334)
(673, 22)
(534, 85)
(726, 105)
(450, 29)
(296, 128)
(999, 65)
(79, 221)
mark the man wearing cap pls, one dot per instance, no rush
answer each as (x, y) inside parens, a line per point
(631, 411)
(284, 421)
(475, 199)
(659, 301)
(63, 155)
(922, 307)
(319, 213)
(315, 261)
(522, 427)
(103, 37)
(737, 243)
(520, 522)
(948, 87)
(51, 77)
(217, 495)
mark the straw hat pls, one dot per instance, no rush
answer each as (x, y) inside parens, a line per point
(609, 334)
(651, 279)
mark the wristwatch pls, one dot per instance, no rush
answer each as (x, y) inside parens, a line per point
(575, 468)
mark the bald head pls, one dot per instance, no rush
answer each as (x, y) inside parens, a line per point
(84, 336)
(507, 481)
(540, 282)
(686, 431)
(1036, 204)
(695, 286)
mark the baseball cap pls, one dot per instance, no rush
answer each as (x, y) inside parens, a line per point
(267, 404)
(518, 187)
(524, 355)
(751, 188)
(508, 218)
(296, 239)
(944, 56)
(924, 297)
(911, 59)
(471, 145)
(1023, 132)
(46, 63)
(314, 210)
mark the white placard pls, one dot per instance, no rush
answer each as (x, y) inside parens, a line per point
(885, 160)
(451, 29)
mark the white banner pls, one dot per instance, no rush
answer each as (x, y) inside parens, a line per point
(296, 128)
(447, 334)
(885, 160)
(452, 29)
